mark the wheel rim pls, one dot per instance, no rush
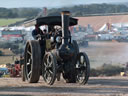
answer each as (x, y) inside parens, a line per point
(28, 60)
(82, 69)
(49, 69)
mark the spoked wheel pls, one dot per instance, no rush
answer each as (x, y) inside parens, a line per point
(32, 62)
(49, 68)
(82, 68)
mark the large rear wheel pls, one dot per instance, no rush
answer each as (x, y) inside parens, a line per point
(32, 58)
(82, 68)
(49, 68)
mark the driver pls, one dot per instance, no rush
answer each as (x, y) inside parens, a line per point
(36, 32)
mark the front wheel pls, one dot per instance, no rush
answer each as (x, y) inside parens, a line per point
(82, 68)
(49, 68)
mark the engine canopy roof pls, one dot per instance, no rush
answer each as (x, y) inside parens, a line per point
(54, 20)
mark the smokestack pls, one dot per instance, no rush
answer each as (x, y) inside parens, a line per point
(65, 24)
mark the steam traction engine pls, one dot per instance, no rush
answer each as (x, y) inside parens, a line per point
(55, 53)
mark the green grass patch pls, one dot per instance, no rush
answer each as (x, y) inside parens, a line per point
(5, 22)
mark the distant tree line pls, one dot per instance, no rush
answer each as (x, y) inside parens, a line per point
(84, 10)
(19, 12)
(78, 10)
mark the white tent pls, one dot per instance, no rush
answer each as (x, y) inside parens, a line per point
(103, 28)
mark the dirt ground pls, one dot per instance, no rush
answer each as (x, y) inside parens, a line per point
(97, 86)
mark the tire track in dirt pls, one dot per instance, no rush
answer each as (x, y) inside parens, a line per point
(97, 86)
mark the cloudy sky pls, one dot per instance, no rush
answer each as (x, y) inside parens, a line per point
(51, 3)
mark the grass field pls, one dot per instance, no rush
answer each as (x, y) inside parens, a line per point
(5, 22)
(8, 57)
